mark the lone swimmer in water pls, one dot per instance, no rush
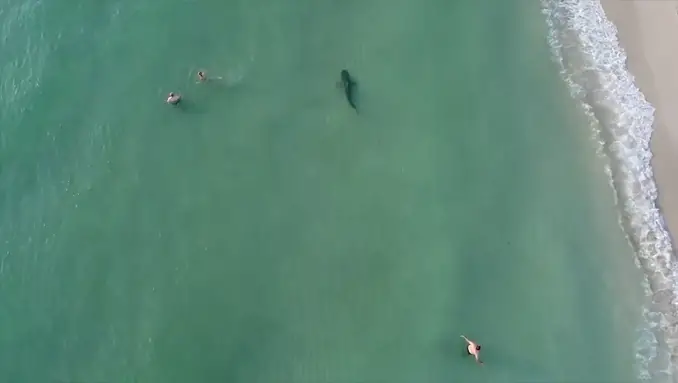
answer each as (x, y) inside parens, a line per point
(173, 98)
(473, 349)
(202, 77)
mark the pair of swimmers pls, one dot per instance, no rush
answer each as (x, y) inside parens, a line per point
(175, 98)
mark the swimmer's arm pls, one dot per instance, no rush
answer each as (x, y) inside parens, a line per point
(466, 339)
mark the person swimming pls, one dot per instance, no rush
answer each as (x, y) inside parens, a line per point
(473, 348)
(173, 98)
(202, 77)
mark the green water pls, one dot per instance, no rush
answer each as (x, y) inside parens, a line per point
(264, 232)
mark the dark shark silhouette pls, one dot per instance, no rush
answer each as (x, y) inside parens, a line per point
(349, 85)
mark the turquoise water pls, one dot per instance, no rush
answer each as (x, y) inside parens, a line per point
(264, 232)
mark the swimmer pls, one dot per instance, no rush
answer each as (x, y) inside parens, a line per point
(202, 77)
(473, 349)
(173, 98)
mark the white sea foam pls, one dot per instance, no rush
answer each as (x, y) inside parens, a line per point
(584, 44)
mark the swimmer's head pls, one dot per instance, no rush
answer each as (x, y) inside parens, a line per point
(171, 94)
(477, 347)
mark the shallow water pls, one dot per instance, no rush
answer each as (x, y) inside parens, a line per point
(262, 231)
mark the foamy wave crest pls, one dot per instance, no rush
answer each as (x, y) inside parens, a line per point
(584, 43)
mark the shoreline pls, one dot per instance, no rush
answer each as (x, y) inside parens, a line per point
(647, 31)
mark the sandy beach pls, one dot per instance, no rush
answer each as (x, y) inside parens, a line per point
(647, 30)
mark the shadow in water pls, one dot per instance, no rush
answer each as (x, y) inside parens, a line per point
(190, 107)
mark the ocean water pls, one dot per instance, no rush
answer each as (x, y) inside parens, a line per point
(263, 231)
